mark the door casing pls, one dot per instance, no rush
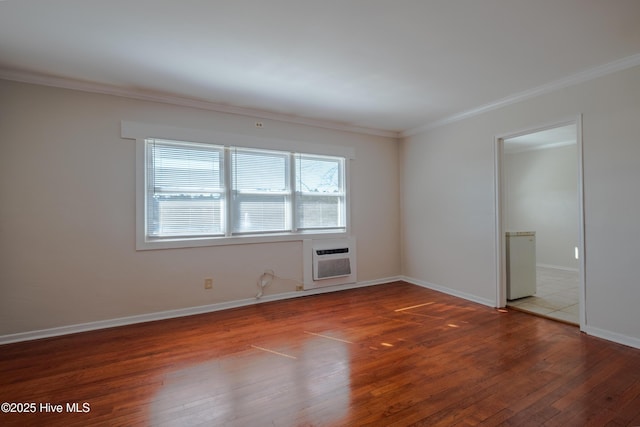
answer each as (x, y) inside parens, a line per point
(501, 271)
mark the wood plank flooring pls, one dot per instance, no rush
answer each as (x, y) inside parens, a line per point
(387, 355)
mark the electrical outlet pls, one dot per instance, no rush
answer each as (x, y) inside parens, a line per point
(208, 283)
(299, 288)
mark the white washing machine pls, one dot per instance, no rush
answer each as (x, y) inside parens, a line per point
(521, 264)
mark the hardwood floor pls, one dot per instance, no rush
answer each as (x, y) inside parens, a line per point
(388, 355)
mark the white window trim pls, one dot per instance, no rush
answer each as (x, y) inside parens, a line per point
(141, 131)
(136, 130)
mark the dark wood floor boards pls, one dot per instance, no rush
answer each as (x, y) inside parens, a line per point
(389, 355)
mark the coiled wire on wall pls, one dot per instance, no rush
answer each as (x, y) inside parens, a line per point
(267, 278)
(264, 280)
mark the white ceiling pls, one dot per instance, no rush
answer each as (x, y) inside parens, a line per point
(385, 66)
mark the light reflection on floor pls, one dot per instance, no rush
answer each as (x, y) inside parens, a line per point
(238, 389)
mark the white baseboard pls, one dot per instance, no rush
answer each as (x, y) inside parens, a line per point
(190, 311)
(181, 312)
(612, 336)
(589, 330)
(558, 267)
(449, 291)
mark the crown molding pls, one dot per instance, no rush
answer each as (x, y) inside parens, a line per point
(574, 79)
(65, 83)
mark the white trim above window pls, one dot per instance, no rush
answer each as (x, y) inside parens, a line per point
(210, 193)
(138, 130)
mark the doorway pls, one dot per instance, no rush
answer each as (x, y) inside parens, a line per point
(539, 194)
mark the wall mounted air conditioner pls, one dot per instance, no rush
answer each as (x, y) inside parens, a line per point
(329, 262)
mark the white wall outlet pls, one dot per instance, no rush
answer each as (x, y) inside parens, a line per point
(208, 283)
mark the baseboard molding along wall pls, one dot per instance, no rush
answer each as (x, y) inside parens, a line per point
(612, 336)
(558, 267)
(170, 314)
(589, 330)
(449, 291)
(181, 312)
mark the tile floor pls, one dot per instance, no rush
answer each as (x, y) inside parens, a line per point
(556, 295)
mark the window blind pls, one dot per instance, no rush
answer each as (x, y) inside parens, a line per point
(185, 189)
(261, 193)
(199, 190)
(320, 192)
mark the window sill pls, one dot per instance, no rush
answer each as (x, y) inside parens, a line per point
(144, 245)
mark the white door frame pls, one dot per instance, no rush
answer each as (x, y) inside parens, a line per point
(501, 270)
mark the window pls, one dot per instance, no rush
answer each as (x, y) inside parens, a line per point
(185, 189)
(198, 191)
(320, 195)
(261, 191)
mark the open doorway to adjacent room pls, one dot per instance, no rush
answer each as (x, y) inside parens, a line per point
(540, 222)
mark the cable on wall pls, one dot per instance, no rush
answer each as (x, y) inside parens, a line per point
(267, 278)
(264, 280)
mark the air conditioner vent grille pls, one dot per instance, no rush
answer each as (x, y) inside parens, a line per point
(329, 262)
(334, 268)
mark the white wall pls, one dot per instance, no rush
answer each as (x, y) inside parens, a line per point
(542, 196)
(448, 211)
(67, 216)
